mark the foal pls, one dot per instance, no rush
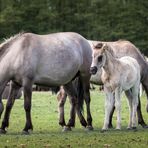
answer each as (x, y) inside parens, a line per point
(117, 75)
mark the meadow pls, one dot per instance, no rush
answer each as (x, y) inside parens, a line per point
(47, 133)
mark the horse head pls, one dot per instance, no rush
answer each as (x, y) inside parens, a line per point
(98, 57)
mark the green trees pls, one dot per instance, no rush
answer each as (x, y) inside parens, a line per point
(94, 19)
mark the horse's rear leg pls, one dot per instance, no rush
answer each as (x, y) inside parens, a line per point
(70, 90)
(61, 97)
(14, 89)
(129, 97)
(86, 86)
(27, 85)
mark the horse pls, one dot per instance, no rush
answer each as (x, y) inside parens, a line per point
(48, 60)
(118, 75)
(120, 49)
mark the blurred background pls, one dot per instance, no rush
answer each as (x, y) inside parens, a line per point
(107, 20)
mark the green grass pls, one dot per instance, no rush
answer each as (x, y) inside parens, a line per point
(47, 133)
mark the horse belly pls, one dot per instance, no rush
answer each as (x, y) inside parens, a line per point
(57, 72)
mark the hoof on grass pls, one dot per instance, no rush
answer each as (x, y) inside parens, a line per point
(89, 128)
(118, 129)
(145, 126)
(66, 128)
(2, 131)
(25, 132)
(103, 130)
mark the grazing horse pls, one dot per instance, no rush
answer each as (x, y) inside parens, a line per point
(120, 49)
(48, 60)
(118, 74)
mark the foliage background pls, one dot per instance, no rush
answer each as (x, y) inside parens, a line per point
(108, 20)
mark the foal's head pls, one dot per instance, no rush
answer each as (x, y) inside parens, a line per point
(98, 57)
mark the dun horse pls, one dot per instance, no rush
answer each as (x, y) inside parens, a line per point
(118, 75)
(48, 60)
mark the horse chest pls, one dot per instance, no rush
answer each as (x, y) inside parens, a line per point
(110, 83)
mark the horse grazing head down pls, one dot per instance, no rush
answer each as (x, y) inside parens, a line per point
(99, 57)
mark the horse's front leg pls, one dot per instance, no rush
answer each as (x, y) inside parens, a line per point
(27, 85)
(108, 107)
(118, 107)
(13, 91)
(61, 97)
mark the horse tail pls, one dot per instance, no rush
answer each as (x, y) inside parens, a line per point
(80, 93)
(1, 107)
(147, 106)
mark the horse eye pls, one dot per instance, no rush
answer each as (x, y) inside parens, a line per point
(100, 58)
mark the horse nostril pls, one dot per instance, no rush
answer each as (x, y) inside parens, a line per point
(93, 70)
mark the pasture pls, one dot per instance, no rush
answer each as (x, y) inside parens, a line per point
(47, 133)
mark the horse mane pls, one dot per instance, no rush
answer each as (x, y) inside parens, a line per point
(8, 42)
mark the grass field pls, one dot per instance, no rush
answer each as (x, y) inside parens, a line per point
(47, 133)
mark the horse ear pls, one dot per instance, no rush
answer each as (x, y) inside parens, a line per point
(99, 45)
(105, 47)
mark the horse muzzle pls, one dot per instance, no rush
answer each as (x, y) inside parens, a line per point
(93, 70)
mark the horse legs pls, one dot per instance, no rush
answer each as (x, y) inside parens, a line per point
(70, 90)
(145, 85)
(14, 88)
(129, 97)
(61, 97)
(135, 91)
(27, 85)
(86, 86)
(2, 87)
(139, 113)
(118, 107)
(110, 125)
(108, 107)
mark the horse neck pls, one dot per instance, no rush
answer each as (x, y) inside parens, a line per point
(110, 63)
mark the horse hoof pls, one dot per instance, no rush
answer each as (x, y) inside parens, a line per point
(89, 128)
(146, 126)
(25, 132)
(2, 131)
(118, 129)
(110, 126)
(103, 130)
(134, 128)
(129, 128)
(66, 128)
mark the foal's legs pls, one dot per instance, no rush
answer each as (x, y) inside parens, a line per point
(135, 91)
(27, 85)
(118, 107)
(61, 99)
(129, 97)
(108, 107)
(14, 88)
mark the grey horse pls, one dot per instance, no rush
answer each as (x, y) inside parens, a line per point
(48, 60)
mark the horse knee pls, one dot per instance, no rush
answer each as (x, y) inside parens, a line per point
(61, 103)
(27, 107)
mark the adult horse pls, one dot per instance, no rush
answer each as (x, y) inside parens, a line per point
(48, 60)
(118, 74)
(120, 49)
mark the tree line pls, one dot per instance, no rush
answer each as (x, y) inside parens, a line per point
(107, 20)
